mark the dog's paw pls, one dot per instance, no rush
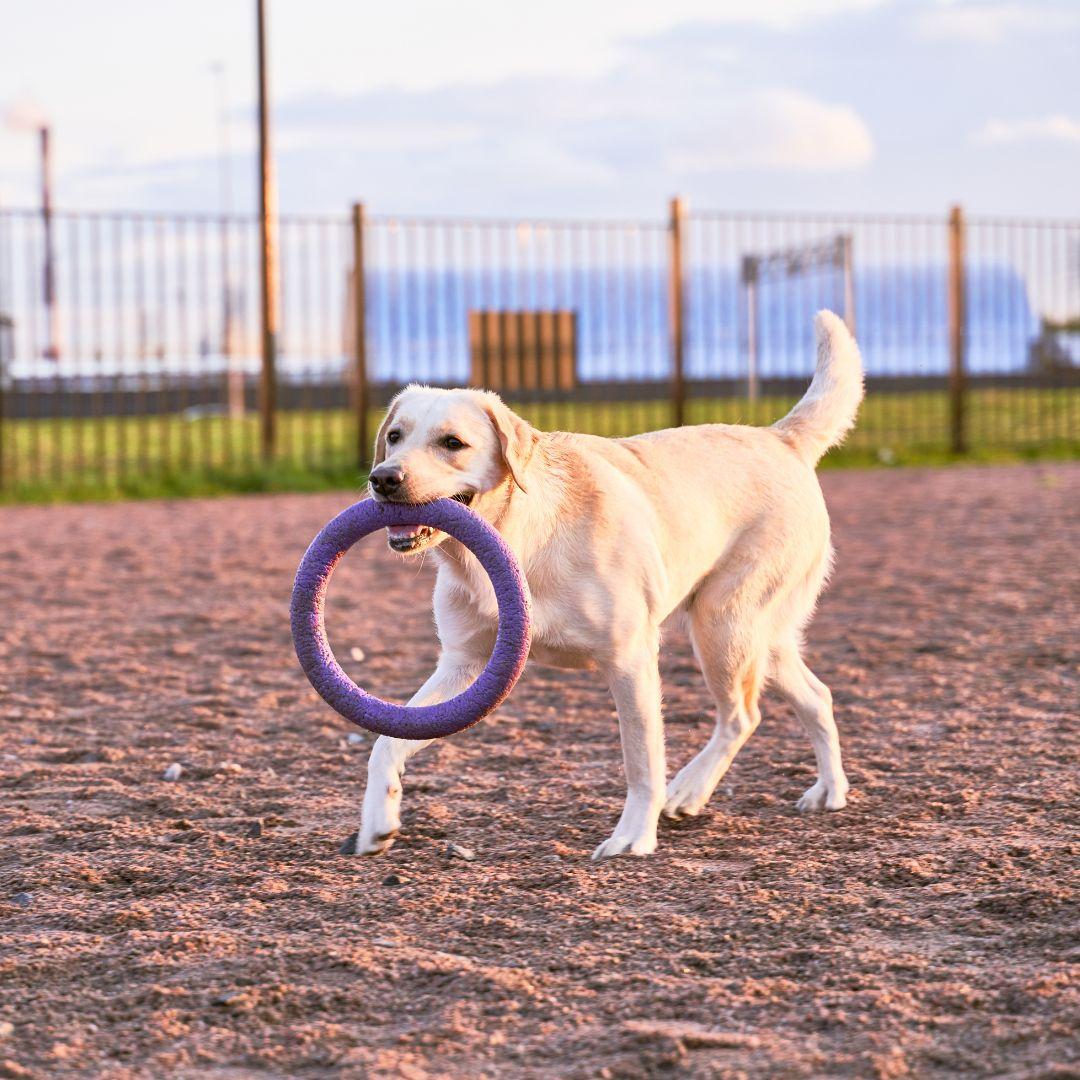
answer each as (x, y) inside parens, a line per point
(822, 797)
(622, 844)
(687, 793)
(375, 844)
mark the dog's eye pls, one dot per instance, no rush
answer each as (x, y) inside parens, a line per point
(452, 442)
(393, 436)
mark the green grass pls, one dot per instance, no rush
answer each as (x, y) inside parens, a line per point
(133, 457)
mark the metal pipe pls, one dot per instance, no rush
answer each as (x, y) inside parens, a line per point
(676, 299)
(52, 313)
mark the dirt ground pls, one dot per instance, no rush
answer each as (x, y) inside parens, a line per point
(208, 926)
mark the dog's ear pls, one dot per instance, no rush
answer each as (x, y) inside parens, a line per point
(517, 437)
(384, 427)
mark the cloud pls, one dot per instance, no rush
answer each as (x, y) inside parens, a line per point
(658, 121)
(422, 44)
(775, 129)
(1056, 128)
(991, 23)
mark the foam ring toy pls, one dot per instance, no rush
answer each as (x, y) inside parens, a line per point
(339, 691)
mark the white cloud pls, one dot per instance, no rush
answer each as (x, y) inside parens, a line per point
(991, 23)
(661, 121)
(776, 129)
(1056, 128)
(421, 44)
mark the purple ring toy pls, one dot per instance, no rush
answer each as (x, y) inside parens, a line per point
(339, 691)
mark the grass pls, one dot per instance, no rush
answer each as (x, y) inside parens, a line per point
(162, 456)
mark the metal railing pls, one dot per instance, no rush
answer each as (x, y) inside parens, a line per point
(130, 343)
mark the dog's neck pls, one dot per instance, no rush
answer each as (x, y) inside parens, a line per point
(526, 520)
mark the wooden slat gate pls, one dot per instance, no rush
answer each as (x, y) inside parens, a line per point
(514, 351)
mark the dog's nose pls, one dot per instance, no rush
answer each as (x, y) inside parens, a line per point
(386, 479)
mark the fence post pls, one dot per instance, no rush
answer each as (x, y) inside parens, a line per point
(957, 331)
(676, 299)
(360, 372)
(268, 262)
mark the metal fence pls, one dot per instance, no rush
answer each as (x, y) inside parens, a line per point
(130, 344)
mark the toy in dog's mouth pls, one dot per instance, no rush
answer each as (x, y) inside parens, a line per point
(407, 538)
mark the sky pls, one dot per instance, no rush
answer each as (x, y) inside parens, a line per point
(564, 108)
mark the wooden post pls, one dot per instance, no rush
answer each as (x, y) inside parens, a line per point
(361, 398)
(957, 331)
(547, 350)
(528, 330)
(677, 221)
(268, 263)
(566, 338)
(510, 351)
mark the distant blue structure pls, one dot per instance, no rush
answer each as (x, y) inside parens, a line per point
(418, 320)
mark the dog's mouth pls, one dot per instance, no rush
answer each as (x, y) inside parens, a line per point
(406, 538)
(410, 538)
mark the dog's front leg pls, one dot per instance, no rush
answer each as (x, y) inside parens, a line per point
(380, 819)
(635, 686)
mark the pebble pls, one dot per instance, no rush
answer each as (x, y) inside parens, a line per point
(174, 771)
(7, 1029)
(395, 879)
(235, 999)
(348, 845)
(230, 767)
(22, 899)
(356, 653)
(255, 830)
(457, 851)
(354, 738)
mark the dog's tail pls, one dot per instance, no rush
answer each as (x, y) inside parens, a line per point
(827, 411)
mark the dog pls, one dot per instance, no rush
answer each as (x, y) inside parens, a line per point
(722, 526)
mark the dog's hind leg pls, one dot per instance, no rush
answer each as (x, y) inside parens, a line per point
(733, 660)
(812, 702)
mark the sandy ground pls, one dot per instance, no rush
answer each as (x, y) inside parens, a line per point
(209, 927)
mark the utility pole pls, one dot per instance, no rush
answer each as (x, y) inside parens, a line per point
(269, 251)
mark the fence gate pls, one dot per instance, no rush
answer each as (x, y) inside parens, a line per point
(517, 352)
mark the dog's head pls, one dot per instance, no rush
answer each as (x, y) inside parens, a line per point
(459, 444)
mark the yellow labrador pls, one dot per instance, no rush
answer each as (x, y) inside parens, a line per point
(724, 526)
